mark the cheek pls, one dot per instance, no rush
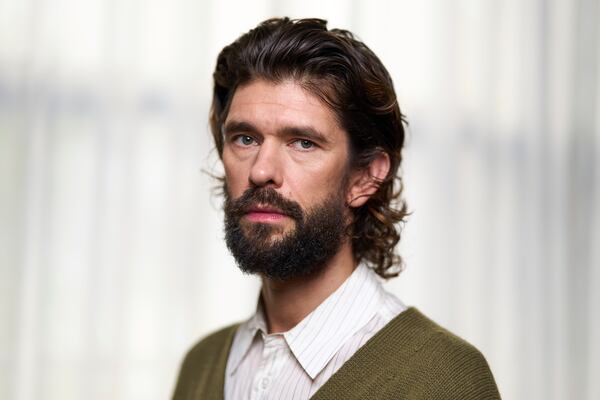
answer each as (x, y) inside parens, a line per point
(312, 187)
(236, 178)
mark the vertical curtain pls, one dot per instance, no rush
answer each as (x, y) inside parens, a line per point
(112, 260)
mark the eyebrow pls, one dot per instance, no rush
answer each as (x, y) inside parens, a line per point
(307, 132)
(238, 126)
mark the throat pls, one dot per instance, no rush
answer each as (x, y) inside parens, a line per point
(287, 303)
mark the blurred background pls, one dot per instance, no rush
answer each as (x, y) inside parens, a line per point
(112, 260)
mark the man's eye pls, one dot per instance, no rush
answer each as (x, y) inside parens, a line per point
(245, 140)
(304, 144)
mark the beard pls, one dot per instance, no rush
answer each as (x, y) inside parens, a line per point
(265, 248)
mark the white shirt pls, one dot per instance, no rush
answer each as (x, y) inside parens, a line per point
(295, 364)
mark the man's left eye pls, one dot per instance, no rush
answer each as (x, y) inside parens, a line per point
(304, 144)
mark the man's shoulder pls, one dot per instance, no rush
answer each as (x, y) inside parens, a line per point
(202, 369)
(426, 335)
(413, 357)
(447, 363)
(212, 346)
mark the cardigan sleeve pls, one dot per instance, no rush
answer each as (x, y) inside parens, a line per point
(455, 371)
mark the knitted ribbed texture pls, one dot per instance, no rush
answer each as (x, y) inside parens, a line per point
(410, 358)
(202, 374)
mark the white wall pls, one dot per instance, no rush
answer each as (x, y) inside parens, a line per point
(112, 261)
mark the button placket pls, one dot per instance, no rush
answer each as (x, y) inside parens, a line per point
(270, 365)
(262, 379)
(264, 382)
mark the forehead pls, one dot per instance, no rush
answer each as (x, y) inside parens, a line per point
(270, 106)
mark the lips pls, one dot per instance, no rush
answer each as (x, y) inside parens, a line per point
(264, 214)
(263, 205)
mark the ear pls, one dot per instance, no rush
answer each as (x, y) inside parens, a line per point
(365, 182)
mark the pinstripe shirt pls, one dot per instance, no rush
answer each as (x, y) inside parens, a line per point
(296, 363)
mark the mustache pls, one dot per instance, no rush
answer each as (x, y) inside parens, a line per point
(254, 196)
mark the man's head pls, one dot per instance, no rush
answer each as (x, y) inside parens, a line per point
(307, 125)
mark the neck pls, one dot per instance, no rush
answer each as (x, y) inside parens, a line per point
(286, 303)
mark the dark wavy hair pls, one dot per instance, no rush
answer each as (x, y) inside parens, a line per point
(347, 76)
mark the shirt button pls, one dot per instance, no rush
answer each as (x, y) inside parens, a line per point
(264, 383)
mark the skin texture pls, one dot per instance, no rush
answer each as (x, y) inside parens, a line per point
(282, 137)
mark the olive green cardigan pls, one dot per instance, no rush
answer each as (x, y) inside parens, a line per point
(410, 358)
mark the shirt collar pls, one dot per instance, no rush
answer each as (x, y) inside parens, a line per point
(318, 337)
(244, 337)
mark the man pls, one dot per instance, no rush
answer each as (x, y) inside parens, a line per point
(306, 122)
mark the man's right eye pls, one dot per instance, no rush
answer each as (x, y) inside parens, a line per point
(244, 140)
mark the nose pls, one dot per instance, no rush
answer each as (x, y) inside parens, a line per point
(266, 168)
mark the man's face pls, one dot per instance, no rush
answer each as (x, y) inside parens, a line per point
(286, 167)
